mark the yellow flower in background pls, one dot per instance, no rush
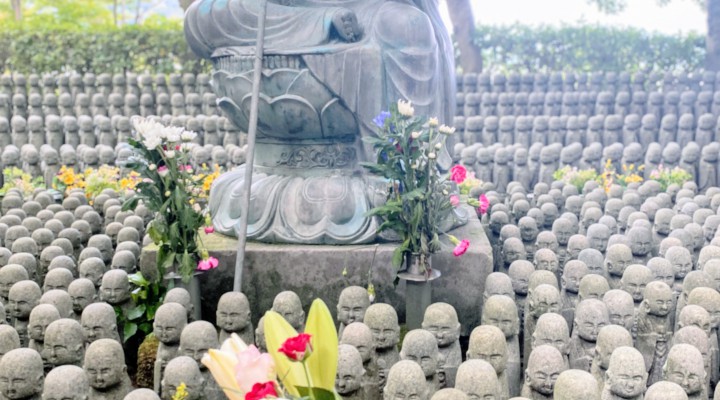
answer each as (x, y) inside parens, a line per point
(181, 392)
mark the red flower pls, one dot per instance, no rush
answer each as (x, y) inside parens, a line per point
(461, 248)
(261, 391)
(458, 173)
(297, 348)
(484, 204)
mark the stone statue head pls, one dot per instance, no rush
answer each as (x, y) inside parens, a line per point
(170, 320)
(382, 320)
(709, 299)
(573, 273)
(657, 299)
(105, 364)
(98, 321)
(543, 299)
(546, 259)
(183, 370)
(181, 296)
(498, 283)
(552, 329)
(441, 320)
(115, 287)
(40, 317)
(635, 279)
(617, 258)
(685, 367)
(350, 371)
(9, 275)
(288, 305)
(694, 315)
(626, 375)
(22, 298)
(353, 302)
(359, 336)
(501, 311)
(64, 342)
(488, 343)
(590, 316)
(665, 390)
(196, 339)
(662, 270)
(92, 269)
(575, 384)
(544, 366)
(681, 261)
(21, 374)
(621, 308)
(519, 272)
(233, 312)
(477, 379)
(594, 260)
(609, 338)
(421, 347)
(82, 293)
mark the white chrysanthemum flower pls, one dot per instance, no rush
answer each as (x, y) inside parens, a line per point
(188, 136)
(173, 133)
(152, 167)
(433, 122)
(432, 156)
(438, 146)
(446, 130)
(405, 108)
(170, 154)
(415, 135)
(152, 142)
(146, 127)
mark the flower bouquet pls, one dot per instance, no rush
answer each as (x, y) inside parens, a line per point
(168, 188)
(419, 202)
(298, 366)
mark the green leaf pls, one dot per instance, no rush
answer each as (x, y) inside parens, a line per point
(129, 330)
(136, 312)
(398, 256)
(319, 394)
(138, 279)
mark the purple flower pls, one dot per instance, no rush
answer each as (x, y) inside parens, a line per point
(380, 119)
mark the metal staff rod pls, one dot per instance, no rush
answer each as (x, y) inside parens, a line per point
(250, 154)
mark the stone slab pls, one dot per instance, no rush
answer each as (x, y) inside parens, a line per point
(322, 271)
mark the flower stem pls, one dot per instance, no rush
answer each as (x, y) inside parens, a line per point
(309, 380)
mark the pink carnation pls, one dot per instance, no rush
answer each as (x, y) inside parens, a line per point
(458, 173)
(209, 229)
(454, 200)
(484, 204)
(461, 248)
(206, 265)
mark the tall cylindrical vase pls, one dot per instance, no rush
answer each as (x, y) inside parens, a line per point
(418, 276)
(174, 280)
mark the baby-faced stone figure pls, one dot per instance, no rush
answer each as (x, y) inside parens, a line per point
(195, 341)
(115, 288)
(181, 296)
(478, 380)
(519, 273)
(441, 320)
(500, 311)
(552, 330)
(233, 316)
(288, 305)
(666, 390)
(634, 280)
(64, 343)
(61, 300)
(183, 370)
(590, 316)
(9, 339)
(98, 321)
(449, 394)
(82, 293)
(40, 318)
(609, 338)
(685, 367)
(22, 298)
(543, 368)
(406, 380)
(142, 394)
(543, 299)
(421, 347)
(697, 338)
(654, 327)
(359, 336)
(106, 370)
(573, 273)
(617, 259)
(170, 320)
(349, 375)
(382, 320)
(57, 279)
(487, 343)
(574, 384)
(353, 302)
(21, 374)
(682, 264)
(9, 275)
(626, 375)
(66, 382)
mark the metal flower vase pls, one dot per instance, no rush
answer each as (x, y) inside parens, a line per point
(174, 280)
(418, 276)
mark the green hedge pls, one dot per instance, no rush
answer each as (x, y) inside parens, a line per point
(131, 48)
(586, 48)
(161, 47)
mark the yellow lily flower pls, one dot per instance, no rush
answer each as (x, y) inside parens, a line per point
(221, 364)
(322, 363)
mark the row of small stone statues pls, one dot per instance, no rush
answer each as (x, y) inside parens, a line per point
(497, 165)
(588, 104)
(588, 82)
(607, 130)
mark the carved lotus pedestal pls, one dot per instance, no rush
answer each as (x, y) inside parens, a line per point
(308, 186)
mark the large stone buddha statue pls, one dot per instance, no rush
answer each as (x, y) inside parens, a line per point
(329, 67)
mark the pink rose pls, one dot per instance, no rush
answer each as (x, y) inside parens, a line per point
(253, 367)
(484, 204)
(461, 248)
(209, 229)
(206, 265)
(458, 173)
(454, 200)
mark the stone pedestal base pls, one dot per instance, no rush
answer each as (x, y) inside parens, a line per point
(316, 271)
